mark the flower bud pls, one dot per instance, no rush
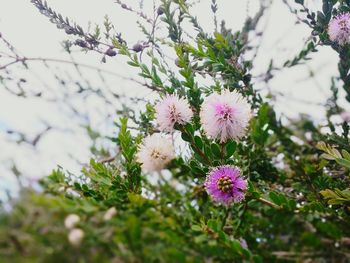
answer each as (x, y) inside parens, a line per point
(69, 30)
(80, 43)
(243, 243)
(110, 213)
(177, 63)
(137, 47)
(71, 220)
(75, 236)
(160, 10)
(110, 52)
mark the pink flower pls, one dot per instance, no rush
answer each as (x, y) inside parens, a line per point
(225, 116)
(225, 184)
(339, 29)
(243, 243)
(171, 110)
(345, 115)
(155, 152)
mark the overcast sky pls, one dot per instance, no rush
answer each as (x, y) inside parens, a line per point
(33, 35)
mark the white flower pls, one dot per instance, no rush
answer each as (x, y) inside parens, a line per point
(155, 152)
(171, 110)
(71, 220)
(75, 236)
(110, 213)
(225, 116)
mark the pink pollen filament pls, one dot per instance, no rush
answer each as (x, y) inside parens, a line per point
(174, 115)
(224, 111)
(343, 25)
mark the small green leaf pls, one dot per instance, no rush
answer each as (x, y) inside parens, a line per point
(230, 149)
(343, 162)
(346, 155)
(213, 224)
(196, 228)
(275, 197)
(186, 137)
(215, 150)
(198, 141)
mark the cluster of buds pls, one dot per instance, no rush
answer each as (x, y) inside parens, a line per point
(75, 235)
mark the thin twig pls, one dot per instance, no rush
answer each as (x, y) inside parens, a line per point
(267, 202)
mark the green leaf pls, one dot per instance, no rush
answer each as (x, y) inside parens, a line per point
(213, 224)
(276, 198)
(196, 228)
(346, 154)
(198, 141)
(230, 148)
(236, 246)
(343, 162)
(336, 196)
(260, 127)
(215, 150)
(200, 238)
(186, 137)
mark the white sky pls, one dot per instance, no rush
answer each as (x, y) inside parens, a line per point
(32, 34)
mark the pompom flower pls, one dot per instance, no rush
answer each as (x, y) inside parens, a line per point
(345, 115)
(171, 110)
(225, 116)
(225, 184)
(155, 152)
(75, 236)
(339, 29)
(109, 214)
(71, 220)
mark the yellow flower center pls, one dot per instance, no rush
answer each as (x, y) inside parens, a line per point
(224, 184)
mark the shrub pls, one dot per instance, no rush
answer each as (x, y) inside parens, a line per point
(247, 187)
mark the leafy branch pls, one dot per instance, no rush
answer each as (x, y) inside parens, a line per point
(333, 154)
(87, 40)
(336, 196)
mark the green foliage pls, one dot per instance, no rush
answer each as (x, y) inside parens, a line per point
(333, 154)
(302, 56)
(260, 126)
(337, 197)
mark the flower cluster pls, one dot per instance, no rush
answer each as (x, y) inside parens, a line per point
(224, 116)
(225, 184)
(339, 29)
(75, 235)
